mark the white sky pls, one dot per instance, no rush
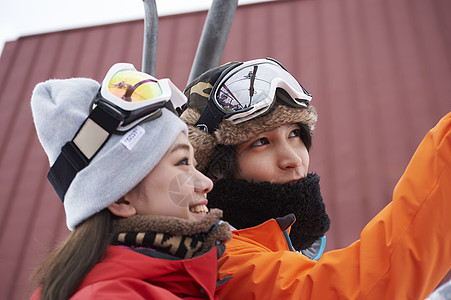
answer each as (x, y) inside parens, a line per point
(25, 17)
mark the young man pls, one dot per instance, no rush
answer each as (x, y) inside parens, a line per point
(251, 125)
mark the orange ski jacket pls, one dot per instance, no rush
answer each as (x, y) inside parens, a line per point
(403, 253)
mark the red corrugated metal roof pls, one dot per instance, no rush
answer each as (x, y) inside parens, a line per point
(379, 72)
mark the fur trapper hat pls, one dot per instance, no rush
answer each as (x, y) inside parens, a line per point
(198, 93)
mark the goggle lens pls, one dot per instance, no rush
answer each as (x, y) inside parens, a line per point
(243, 89)
(251, 85)
(132, 86)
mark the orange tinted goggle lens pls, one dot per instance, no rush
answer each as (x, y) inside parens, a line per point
(132, 86)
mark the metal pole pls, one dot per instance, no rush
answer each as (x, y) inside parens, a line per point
(214, 36)
(150, 37)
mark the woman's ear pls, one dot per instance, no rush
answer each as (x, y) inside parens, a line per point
(122, 208)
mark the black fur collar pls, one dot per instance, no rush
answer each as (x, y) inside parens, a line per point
(246, 204)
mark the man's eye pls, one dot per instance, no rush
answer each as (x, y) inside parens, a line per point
(294, 133)
(260, 142)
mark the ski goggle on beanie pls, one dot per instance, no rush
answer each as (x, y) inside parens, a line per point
(125, 98)
(247, 90)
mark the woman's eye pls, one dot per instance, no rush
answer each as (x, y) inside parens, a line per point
(260, 142)
(294, 133)
(183, 162)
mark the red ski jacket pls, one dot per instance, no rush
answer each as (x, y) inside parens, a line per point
(126, 274)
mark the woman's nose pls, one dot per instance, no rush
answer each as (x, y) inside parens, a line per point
(202, 184)
(288, 158)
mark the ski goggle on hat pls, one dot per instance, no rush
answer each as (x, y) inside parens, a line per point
(125, 98)
(136, 96)
(247, 90)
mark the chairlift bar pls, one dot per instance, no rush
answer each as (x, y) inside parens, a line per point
(214, 36)
(150, 36)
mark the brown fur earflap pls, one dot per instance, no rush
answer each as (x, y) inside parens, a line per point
(203, 142)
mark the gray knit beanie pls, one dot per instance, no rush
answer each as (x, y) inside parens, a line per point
(60, 107)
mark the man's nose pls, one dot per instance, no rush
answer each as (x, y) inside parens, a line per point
(288, 158)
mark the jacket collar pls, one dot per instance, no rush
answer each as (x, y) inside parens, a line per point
(120, 263)
(273, 235)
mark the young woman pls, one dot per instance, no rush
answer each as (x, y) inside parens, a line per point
(251, 125)
(123, 167)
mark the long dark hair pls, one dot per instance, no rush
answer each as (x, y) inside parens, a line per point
(60, 274)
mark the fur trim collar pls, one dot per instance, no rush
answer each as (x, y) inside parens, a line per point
(172, 235)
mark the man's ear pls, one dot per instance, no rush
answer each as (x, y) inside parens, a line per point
(122, 208)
